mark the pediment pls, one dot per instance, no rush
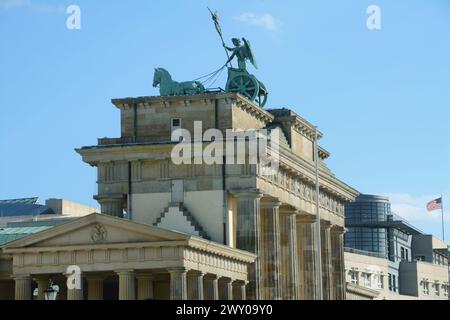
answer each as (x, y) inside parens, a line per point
(97, 229)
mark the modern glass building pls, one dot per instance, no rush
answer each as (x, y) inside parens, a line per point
(362, 219)
(376, 231)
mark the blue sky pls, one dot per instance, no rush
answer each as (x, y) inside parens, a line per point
(381, 97)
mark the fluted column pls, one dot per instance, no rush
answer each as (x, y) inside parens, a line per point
(248, 235)
(127, 288)
(22, 287)
(288, 258)
(270, 249)
(211, 287)
(327, 267)
(337, 256)
(225, 289)
(239, 291)
(307, 251)
(75, 291)
(42, 284)
(111, 205)
(178, 285)
(195, 285)
(144, 286)
(95, 287)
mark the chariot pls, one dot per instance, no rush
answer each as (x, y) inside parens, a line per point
(246, 84)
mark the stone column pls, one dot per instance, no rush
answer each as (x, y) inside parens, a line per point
(248, 236)
(75, 291)
(74, 294)
(42, 284)
(225, 289)
(95, 287)
(127, 287)
(178, 287)
(239, 290)
(145, 286)
(22, 287)
(327, 267)
(195, 285)
(211, 287)
(337, 257)
(270, 249)
(111, 205)
(307, 251)
(288, 257)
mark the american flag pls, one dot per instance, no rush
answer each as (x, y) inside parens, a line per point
(434, 204)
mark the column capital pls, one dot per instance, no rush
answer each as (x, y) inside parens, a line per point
(225, 279)
(270, 203)
(241, 282)
(210, 276)
(113, 197)
(177, 270)
(288, 210)
(325, 224)
(124, 271)
(306, 218)
(24, 276)
(196, 273)
(338, 229)
(247, 193)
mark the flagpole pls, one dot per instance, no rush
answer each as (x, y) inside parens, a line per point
(318, 240)
(442, 216)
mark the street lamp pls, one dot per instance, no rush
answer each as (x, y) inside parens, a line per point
(51, 292)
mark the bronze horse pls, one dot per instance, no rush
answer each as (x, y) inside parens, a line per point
(168, 87)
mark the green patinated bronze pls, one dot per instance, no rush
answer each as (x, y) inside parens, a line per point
(239, 79)
(168, 87)
(242, 53)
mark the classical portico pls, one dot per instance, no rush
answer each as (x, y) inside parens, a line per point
(120, 259)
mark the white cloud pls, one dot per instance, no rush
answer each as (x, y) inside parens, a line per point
(413, 207)
(8, 4)
(266, 20)
(30, 5)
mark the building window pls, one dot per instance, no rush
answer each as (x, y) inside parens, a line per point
(390, 281)
(425, 288)
(445, 291)
(436, 289)
(379, 281)
(367, 282)
(402, 253)
(394, 283)
(175, 123)
(406, 255)
(353, 277)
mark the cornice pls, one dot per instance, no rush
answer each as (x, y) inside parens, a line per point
(252, 109)
(306, 171)
(296, 122)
